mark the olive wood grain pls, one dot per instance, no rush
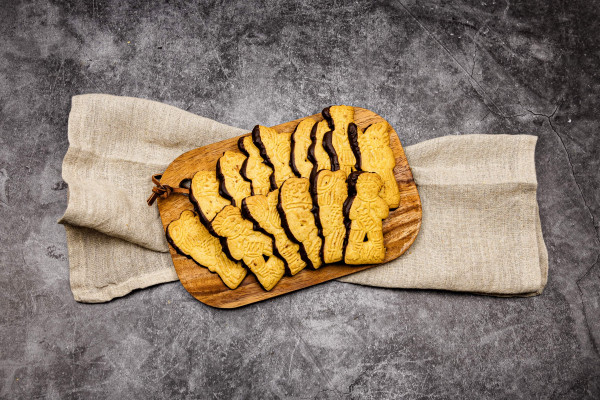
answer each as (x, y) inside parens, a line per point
(400, 228)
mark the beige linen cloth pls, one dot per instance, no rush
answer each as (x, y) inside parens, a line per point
(480, 232)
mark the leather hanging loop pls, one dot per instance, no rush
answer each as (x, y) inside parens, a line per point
(163, 191)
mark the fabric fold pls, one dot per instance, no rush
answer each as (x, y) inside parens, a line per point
(115, 145)
(481, 231)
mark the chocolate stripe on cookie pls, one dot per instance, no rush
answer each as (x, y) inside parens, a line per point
(316, 152)
(254, 169)
(275, 150)
(232, 185)
(204, 195)
(296, 210)
(191, 239)
(336, 141)
(301, 141)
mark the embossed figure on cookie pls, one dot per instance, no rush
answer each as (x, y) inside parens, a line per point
(299, 162)
(190, 238)
(254, 169)
(275, 149)
(329, 191)
(364, 211)
(232, 185)
(336, 141)
(295, 208)
(262, 210)
(204, 195)
(374, 154)
(316, 152)
(254, 249)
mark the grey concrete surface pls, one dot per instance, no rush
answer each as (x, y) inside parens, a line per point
(431, 68)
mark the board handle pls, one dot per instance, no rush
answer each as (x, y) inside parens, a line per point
(163, 191)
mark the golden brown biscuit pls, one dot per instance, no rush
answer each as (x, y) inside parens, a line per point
(275, 149)
(254, 249)
(316, 152)
(204, 195)
(336, 141)
(301, 141)
(262, 210)
(254, 169)
(364, 211)
(190, 238)
(232, 185)
(329, 191)
(295, 208)
(374, 154)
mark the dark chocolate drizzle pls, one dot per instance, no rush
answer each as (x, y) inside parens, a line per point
(222, 188)
(205, 221)
(177, 249)
(311, 150)
(292, 155)
(315, 210)
(353, 139)
(256, 139)
(328, 146)
(203, 218)
(326, 113)
(240, 144)
(293, 149)
(245, 163)
(273, 181)
(248, 215)
(328, 140)
(243, 175)
(352, 179)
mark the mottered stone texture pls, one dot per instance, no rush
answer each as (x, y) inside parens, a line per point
(431, 68)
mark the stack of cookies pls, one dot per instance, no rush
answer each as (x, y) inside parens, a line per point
(287, 201)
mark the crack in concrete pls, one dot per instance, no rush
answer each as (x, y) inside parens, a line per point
(483, 94)
(593, 219)
(475, 52)
(485, 98)
(586, 205)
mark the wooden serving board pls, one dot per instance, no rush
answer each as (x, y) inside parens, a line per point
(400, 228)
